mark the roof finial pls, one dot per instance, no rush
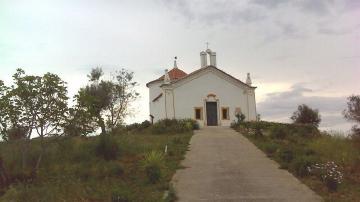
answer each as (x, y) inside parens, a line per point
(248, 79)
(175, 65)
(207, 45)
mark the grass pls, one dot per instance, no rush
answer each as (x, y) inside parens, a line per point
(71, 170)
(296, 147)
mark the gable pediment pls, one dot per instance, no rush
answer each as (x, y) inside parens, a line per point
(210, 70)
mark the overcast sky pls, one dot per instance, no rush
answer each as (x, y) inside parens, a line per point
(298, 51)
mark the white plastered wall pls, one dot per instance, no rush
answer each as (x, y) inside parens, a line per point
(157, 108)
(193, 93)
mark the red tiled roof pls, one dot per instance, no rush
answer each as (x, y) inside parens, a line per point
(174, 74)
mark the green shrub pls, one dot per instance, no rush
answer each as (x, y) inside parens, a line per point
(152, 164)
(171, 197)
(138, 126)
(240, 117)
(301, 165)
(257, 129)
(145, 124)
(107, 147)
(121, 195)
(196, 126)
(278, 132)
(355, 137)
(305, 130)
(174, 126)
(306, 115)
(153, 173)
(309, 152)
(329, 172)
(114, 169)
(234, 125)
(270, 148)
(83, 151)
(331, 184)
(177, 140)
(286, 155)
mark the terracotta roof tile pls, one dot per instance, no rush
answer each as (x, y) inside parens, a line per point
(174, 74)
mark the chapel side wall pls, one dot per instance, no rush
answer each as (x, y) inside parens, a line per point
(169, 103)
(252, 106)
(192, 94)
(157, 108)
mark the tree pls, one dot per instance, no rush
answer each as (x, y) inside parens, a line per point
(107, 98)
(79, 123)
(122, 95)
(352, 112)
(38, 104)
(9, 115)
(4, 118)
(306, 115)
(42, 102)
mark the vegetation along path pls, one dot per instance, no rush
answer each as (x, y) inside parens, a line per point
(222, 165)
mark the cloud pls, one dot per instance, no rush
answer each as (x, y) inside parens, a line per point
(248, 15)
(331, 31)
(289, 30)
(352, 4)
(216, 12)
(280, 106)
(318, 7)
(283, 31)
(270, 3)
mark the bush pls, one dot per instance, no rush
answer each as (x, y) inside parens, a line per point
(153, 173)
(305, 130)
(301, 165)
(355, 135)
(152, 164)
(16, 133)
(234, 125)
(329, 173)
(145, 124)
(286, 155)
(138, 126)
(278, 132)
(82, 151)
(113, 168)
(121, 195)
(177, 140)
(270, 148)
(107, 147)
(174, 126)
(240, 117)
(196, 126)
(258, 132)
(306, 115)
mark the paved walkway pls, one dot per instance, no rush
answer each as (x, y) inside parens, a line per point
(222, 165)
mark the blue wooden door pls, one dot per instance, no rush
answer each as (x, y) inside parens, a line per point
(211, 113)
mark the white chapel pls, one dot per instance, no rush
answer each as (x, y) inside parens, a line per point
(208, 95)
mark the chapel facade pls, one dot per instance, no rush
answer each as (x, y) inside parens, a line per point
(208, 95)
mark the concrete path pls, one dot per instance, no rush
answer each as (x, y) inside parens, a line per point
(222, 165)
